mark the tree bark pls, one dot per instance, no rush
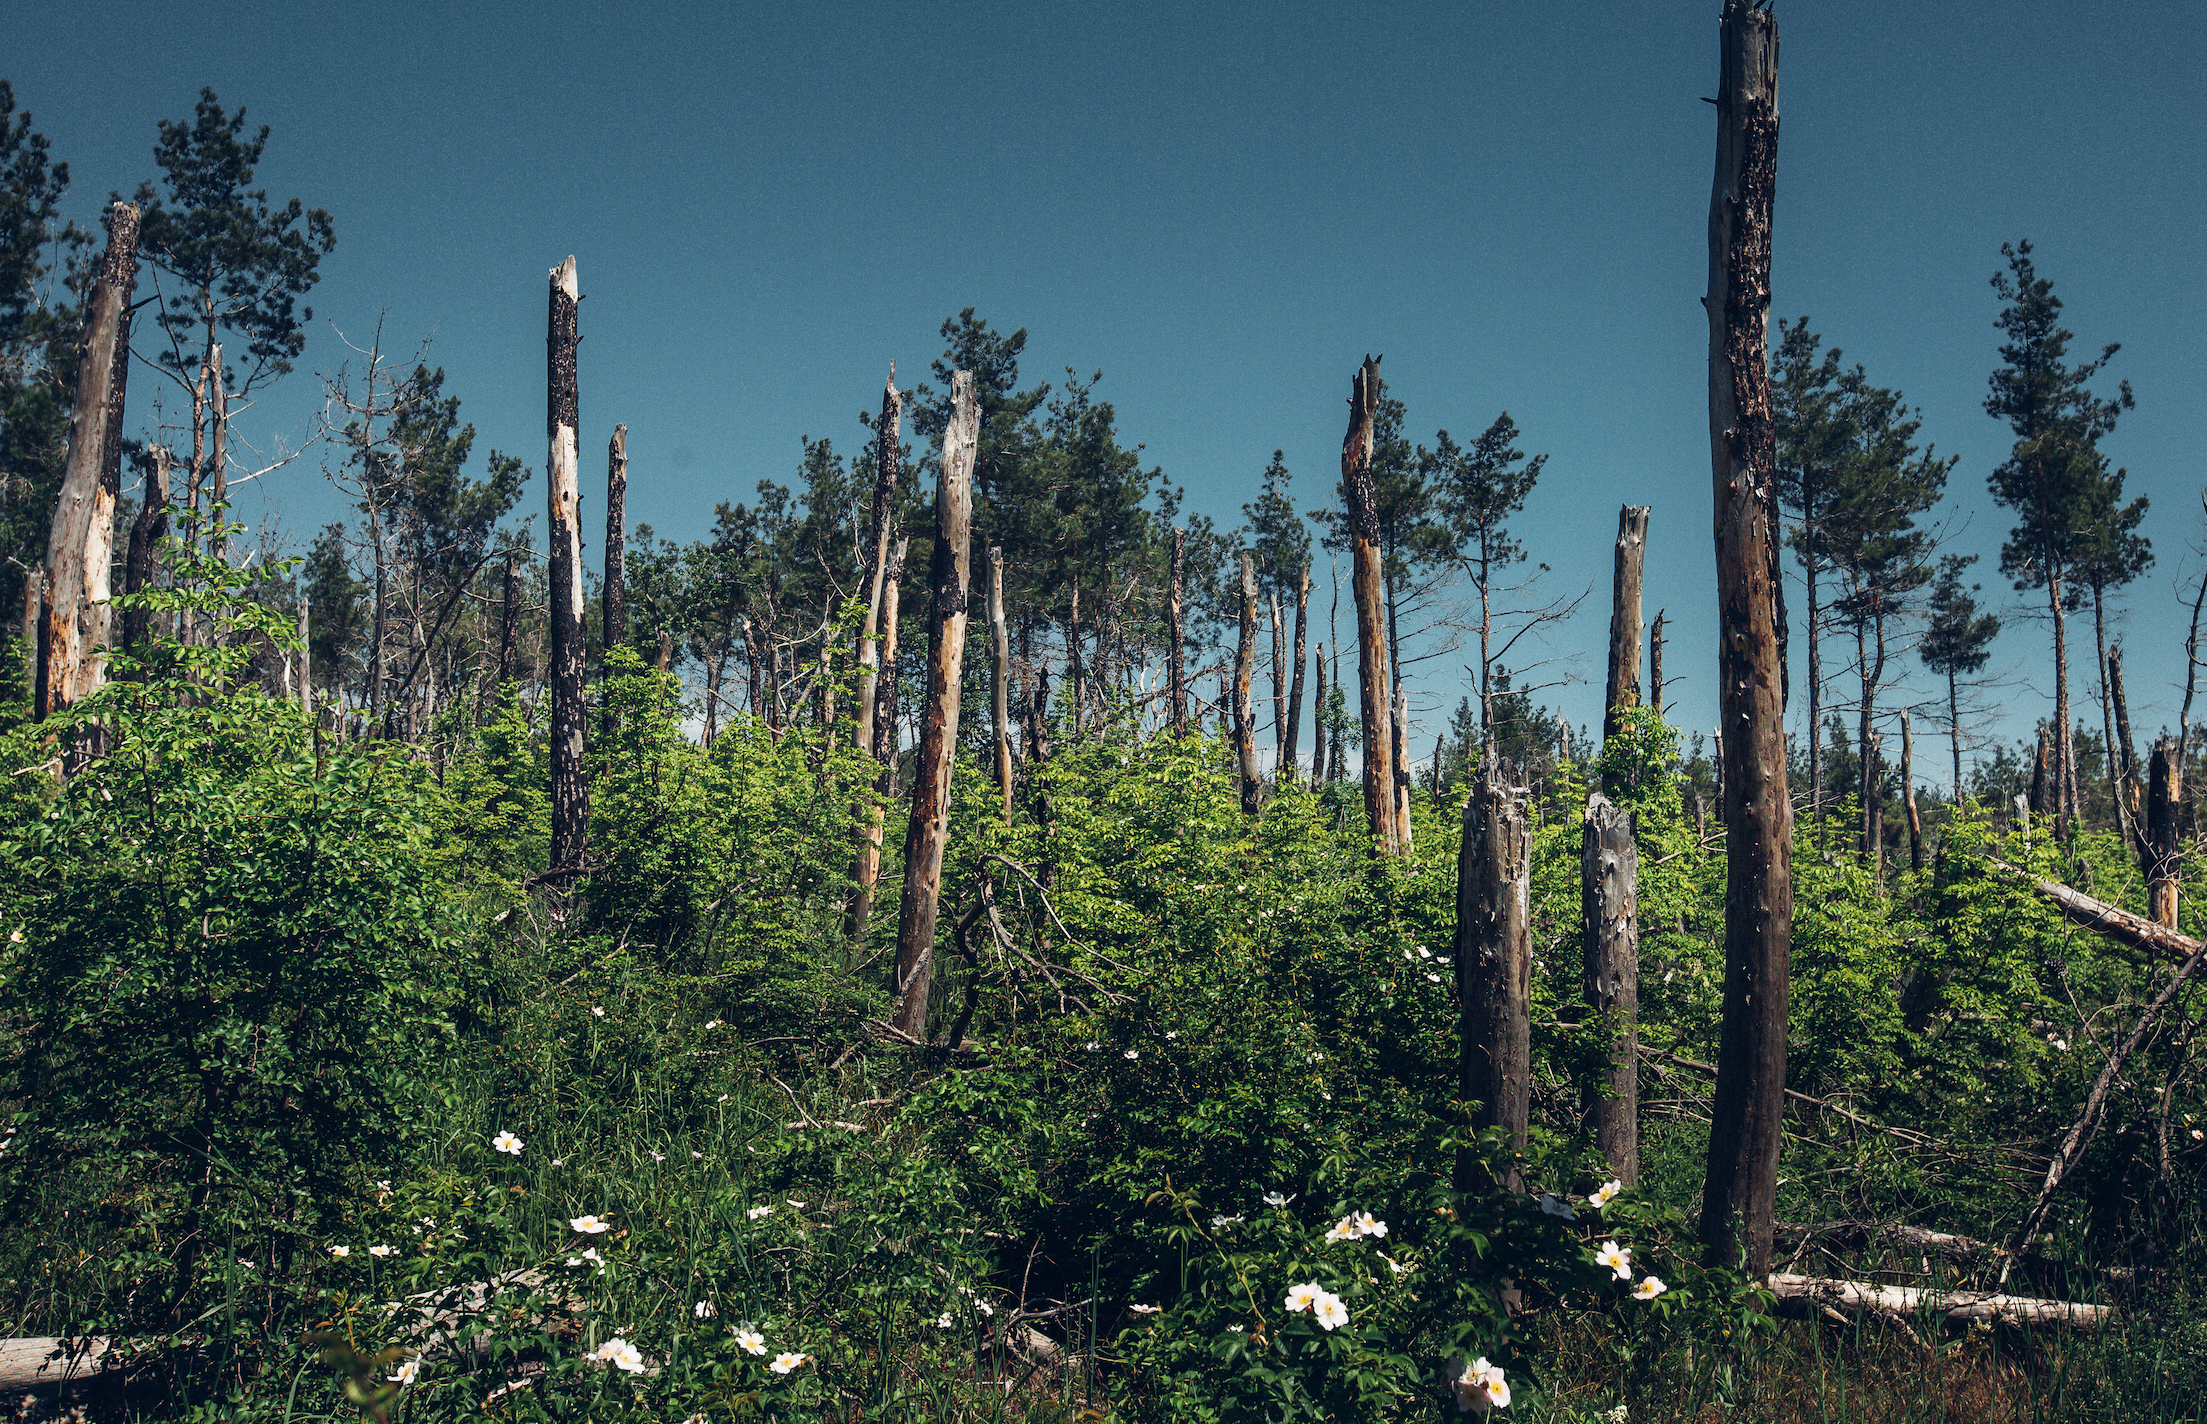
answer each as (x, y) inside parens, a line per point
(80, 546)
(1279, 687)
(2122, 761)
(1288, 768)
(570, 792)
(1908, 793)
(218, 453)
(142, 563)
(1494, 958)
(2045, 799)
(1655, 663)
(1624, 617)
(1747, 1113)
(1373, 683)
(1609, 886)
(1000, 646)
(509, 627)
(1320, 770)
(615, 610)
(1401, 730)
(866, 870)
(306, 666)
(2164, 829)
(948, 576)
(2065, 747)
(1178, 650)
(1245, 717)
(881, 518)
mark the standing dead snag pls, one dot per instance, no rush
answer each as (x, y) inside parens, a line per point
(1494, 959)
(866, 873)
(948, 573)
(1000, 648)
(1609, 869)
(877, 638)
(1245, 718)
(570, 792)
(1908, 793)
(1655, 663)
(142, 564)
(615, 611)
(1747, 1113)
(1624, 617)
(1373, 683)
(1178, 650)
(2164, 828)
(81, 545)
(1288, 769)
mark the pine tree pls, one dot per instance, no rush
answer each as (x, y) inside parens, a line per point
(1957, 642)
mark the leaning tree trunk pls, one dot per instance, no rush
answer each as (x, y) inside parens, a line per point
(1288, 770)
(1609, 885)
(1245, 717)
(80, 547)
(2164, 829)
(1747, 1114)
(1624, 617)
(570, 792)
(1000, 676)
(948, 571)
(1373, 683)
(615, 611)
(1178, 648)
(142, 564)
(1494, 960)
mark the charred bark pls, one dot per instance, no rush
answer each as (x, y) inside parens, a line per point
(615, 610)
(570, 791)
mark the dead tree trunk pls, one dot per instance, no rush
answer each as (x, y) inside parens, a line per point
(1320, 770)
(2042, 775)
(1494, 959)
(1747, 1114)
(1245, 717)
(2164, 829)
(1908, 793)
(1609, 870)
(80, 547)
(866, 871)
(1655, 663)
(948, 576)
(1279, 684)
(570, 792)
(1178, 652)
(1373, 683)
(887, 430)
(142, 564)
(218, 454)
(1402, 768)
(615, 610)
(509, 612)
(1000, 647)
(1624, 617)
(1288, 769)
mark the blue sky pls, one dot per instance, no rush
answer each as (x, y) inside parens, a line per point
(1222, 207)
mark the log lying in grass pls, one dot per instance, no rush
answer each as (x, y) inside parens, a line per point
(1858, 1235)
(44, 1361)
(1903, 1303)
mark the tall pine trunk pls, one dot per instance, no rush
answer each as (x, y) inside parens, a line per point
(1609, 887)
(1623, 692)
(1748, 1110)
(2065, 749)
(570, 792)
(81, 544)
(949, 579)
(1319, 769)
(1288, 770)
(1373, 683)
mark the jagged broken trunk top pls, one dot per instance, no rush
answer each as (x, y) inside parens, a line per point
(570, 792)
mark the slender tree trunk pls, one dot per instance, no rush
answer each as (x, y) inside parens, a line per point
(1655, 664)
(1747, 1114)
(1624, 617)
(664, 659)
(1871, 831)
(1609, 881)
(509, 625)
(1908, 792)
(1373, 684)
(218, 452)
(1288, 768)
(2123, 742)
(306, 666)
(1319, 768)
(614, 613)
(1279, 689)
(80, 546)
(948, 576)
(2122, 769)
(1245, 717)
(1954, 730)
(570, 791)
(2164, 828)
(34, 586)
(1402, 768)
(1000, 646)
(1816, 702)
(2065, 751)
(2045, 796)
(142, 564)
(1494, 957)
(1178, 653)
(866, 870)
(1073, 678)
(887, 432)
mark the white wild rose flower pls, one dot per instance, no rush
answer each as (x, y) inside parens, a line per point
(1617, 1258)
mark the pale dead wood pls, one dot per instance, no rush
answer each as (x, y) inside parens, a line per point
(1899, 1303)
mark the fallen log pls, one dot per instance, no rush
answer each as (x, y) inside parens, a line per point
(1859, 1235)
(1958, 1308)
(2099, 916)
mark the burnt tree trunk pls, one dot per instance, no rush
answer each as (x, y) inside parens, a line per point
(1178, 648)
(1373, 683)
(1494, 959)
(2122, 761)
(570, 792)
(1624, 617)
(1245, 717)
(80, 547)
(509, 625)
(2164, 828)
(142, 564)
(1319, 770)
(1908, 793)
(615, 610)
(1288, 769)
(1401, 731)
(1609, 885)
(2042, 775)
(1747, 1112)
(948, 577)
(1000, 678)
(1655, 664)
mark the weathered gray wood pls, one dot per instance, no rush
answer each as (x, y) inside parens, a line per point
(570, 791)
(1494, 956)
(1244, 715)
(866, 873)
(2164, 828)
(80, 545)
(1609, 887)
(1623, 689)
(1961, 1308)
(1401, 718)
(2103, 918)
(949, 576)
(1373, 683)
(1178, 648)
(306, 665)
(1655, 663)
(1747, 1115)
(1000, 648)
(509, 613)
(1908, 793)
